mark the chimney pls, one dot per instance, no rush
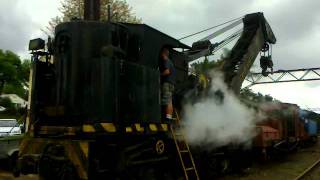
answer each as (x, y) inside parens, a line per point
(92, 10)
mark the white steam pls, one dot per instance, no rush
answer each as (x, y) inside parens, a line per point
(212, 122)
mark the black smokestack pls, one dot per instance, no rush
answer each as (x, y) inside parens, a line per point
(92, 10)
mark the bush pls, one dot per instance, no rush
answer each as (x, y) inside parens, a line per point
(6, 102)
(11, 109)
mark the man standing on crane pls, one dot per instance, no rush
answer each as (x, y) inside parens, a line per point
(167, 74)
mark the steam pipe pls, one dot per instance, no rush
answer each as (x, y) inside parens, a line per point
(92, 10)
(109, 13)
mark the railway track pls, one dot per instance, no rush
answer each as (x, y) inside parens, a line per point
(308, 173)
(6, 175)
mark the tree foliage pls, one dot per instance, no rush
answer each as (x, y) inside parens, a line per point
(11, 111)
(14, 73)
(256, 97)
(6, 102)
(120, 12)
(205, 66)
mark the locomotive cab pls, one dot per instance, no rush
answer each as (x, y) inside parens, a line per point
(95, 99)
(102, 73)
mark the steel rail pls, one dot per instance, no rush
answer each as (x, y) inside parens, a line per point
(308, 170)
(311, 74)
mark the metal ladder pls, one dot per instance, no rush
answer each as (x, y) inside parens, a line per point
(186, 159)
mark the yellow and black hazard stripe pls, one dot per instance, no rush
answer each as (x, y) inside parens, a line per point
(109, 128)
(152, 127)
(133, 128)
(99, 127)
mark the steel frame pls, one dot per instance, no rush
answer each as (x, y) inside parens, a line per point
(281, 76)
(313, 109)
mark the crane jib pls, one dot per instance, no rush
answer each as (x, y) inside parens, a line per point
(256, 34)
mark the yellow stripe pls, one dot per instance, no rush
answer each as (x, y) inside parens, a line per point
(138, 127)
(164, 127)
(109, 127)
(129, 129)
(85, 148)
(153, 127)
(88, 128)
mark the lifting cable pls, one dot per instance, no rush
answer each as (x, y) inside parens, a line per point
(209, 28)
(228, 40)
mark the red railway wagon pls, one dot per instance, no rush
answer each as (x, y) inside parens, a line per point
(282, 129)
(269, 133)
(267, 136)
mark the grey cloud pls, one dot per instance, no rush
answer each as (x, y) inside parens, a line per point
(294, 23)
(15, 27)
(294, 20)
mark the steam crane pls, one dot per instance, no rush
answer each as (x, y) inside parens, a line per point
(256, 36)
(94, 109)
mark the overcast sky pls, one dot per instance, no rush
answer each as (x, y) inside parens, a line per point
(296, 24)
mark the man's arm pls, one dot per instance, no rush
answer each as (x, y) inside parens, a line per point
(166, 72)
(166, 68)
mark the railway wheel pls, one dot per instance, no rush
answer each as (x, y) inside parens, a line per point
(13, 164)
(213, 165)
(54, 164)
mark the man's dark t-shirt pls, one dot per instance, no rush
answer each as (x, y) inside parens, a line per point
(172, 76)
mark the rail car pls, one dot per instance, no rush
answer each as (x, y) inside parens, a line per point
(284, 129)
(94, 102)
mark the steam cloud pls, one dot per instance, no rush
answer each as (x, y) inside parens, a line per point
(214, 123)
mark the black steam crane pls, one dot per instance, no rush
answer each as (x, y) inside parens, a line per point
(94, 108)
(255, 37)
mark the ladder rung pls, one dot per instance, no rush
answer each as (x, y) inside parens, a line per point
(184, 151)
(189, 169)
(180, 142)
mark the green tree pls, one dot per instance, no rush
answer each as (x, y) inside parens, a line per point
(6, 102)
(248, 94)
(13, 73)
(120, 12)
(205, 66)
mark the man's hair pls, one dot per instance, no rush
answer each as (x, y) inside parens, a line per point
(161, 51)
(164, 48)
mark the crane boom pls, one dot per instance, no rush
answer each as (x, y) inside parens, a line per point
(255, 37)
